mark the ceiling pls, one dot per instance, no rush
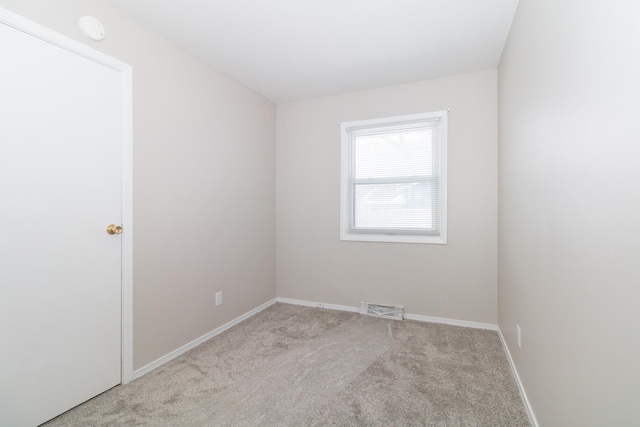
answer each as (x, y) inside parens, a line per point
(295, 49)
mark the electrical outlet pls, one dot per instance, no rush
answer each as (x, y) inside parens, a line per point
(218, 298)
(518, 336)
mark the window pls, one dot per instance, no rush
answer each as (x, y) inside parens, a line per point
(394, 179)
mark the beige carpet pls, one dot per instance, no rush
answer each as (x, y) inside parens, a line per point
(299, 366)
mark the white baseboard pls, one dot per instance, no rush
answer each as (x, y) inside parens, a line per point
(454, 322)
(318, 305)
(523, 394)
(175, 353)
(418, 317)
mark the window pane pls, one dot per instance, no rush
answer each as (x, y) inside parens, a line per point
(398, 153)
(404, 205)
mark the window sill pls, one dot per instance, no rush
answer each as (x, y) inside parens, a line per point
(393, 238)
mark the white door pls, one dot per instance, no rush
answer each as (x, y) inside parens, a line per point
(61, 139)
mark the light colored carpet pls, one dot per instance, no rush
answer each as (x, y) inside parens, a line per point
(300, 366)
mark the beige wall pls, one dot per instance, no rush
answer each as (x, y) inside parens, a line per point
(569, 270)
(457, 280)
(204, 181)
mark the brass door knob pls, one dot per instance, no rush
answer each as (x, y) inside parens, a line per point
(114, 229)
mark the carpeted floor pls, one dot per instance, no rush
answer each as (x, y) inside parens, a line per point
(300, 366)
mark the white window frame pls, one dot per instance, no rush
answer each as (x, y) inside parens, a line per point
(346, 203)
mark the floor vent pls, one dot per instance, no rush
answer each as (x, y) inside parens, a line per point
(381, 310)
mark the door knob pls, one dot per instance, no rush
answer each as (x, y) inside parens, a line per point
(114, 229)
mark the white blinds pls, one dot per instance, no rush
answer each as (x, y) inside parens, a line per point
(394, 178)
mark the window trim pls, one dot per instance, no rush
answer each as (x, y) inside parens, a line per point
(403, 236)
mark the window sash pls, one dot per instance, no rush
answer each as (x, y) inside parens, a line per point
(435, 206)
(413, 215)
(434, 179)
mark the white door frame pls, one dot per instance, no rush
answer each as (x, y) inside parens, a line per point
(18, 22)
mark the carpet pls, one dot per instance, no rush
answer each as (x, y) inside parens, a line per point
(299, 366)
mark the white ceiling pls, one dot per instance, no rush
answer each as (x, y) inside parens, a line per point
(294, 49)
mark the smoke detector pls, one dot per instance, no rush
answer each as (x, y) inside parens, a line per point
(92, 28)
